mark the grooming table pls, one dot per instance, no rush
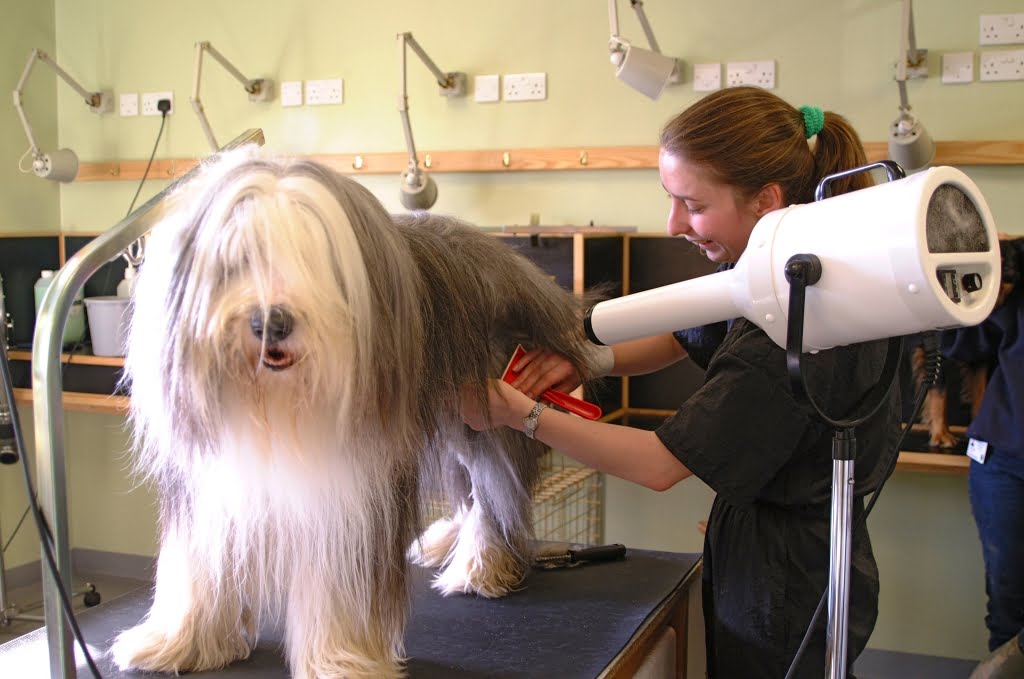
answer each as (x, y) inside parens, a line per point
(592, 620)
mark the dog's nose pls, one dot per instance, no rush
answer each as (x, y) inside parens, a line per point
(277, 324)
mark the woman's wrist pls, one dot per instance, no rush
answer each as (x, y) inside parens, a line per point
(518, 407)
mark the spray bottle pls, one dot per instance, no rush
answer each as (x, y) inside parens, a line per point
(127, 284)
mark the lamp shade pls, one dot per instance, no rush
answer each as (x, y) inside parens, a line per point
(59, 166)
(910, 145)
(645, 71)
(911, 255)
(419, 191)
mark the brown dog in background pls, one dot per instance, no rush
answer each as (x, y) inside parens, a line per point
(973, 376)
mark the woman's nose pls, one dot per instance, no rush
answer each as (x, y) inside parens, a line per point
(678, 222)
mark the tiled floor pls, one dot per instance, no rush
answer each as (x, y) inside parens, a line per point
(28, 601)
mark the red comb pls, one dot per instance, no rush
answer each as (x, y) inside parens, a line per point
(570, 403)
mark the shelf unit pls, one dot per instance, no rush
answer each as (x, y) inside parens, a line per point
(90, 381)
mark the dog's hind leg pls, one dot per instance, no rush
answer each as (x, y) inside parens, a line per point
(197, 622)
(450, 484)
(492, 549)
(432, 547)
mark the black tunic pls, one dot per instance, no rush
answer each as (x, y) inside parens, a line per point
(768, 457)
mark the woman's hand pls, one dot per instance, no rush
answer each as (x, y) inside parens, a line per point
(506, 406)
(543, 369)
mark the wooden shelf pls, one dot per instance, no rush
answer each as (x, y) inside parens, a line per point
(83, 403)
(80, 359)
(910, 461)
(994, 152)
(945, 463)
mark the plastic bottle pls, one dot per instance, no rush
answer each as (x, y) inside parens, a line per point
(74, 329)
(127, 284)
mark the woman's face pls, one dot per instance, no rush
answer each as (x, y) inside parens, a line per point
(708, 214)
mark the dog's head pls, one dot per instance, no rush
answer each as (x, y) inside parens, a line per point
(266, 287)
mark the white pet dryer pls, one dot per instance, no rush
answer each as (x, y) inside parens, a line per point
(909, 255)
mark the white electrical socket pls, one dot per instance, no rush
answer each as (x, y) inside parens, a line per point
(128, 104)
(150, 99)
(1006, 65)
(486, 88)
(291, 93)
(707, 77)
(958, 67)
(756, 73)
(525, 87)
(1001, 29)
(324, 92)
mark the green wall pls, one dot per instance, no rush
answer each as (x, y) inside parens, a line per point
(837, 55)
(27, 203)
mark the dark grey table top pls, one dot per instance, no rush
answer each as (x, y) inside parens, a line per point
(564, 623)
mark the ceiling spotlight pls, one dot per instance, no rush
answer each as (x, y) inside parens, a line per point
(418, 190)
(647, 71)
(910, 145)
(60, 165)
(261, 89)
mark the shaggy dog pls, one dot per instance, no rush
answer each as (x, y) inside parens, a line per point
(296, 361)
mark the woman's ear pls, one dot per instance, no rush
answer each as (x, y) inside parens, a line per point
(767, 199)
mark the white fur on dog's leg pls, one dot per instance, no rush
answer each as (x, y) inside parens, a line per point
(183, 631)
(331, 636)
(479, 563)
(430, 549)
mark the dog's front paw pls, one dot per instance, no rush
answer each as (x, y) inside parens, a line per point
(431, 549)
(148, 648)
(347, 666)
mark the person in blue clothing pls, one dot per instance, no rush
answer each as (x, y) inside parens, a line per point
(996, 477)
(725, 162)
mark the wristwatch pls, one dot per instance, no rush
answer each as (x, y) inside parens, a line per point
(531, 421)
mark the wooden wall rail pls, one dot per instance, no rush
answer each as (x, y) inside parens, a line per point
(535, 159)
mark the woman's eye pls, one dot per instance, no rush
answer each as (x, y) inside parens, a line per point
(694, 210)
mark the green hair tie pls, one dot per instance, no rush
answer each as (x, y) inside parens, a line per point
(814, 120)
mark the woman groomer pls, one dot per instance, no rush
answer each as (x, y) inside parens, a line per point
(725, 162)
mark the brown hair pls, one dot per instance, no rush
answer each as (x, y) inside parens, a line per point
(747, 137)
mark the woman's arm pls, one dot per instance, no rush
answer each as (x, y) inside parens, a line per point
(632, 454)
(646, 355)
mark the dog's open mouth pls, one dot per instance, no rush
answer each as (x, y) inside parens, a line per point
(276, 359)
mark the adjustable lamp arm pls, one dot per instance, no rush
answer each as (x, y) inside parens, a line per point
(450, 84)
(613, 24)
(909, 54)
(403, 97)
(615, 42)
(638, 5)
(259, 89)
(97, 101)
(618, 46)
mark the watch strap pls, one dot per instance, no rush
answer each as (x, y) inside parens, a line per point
(532, 421)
